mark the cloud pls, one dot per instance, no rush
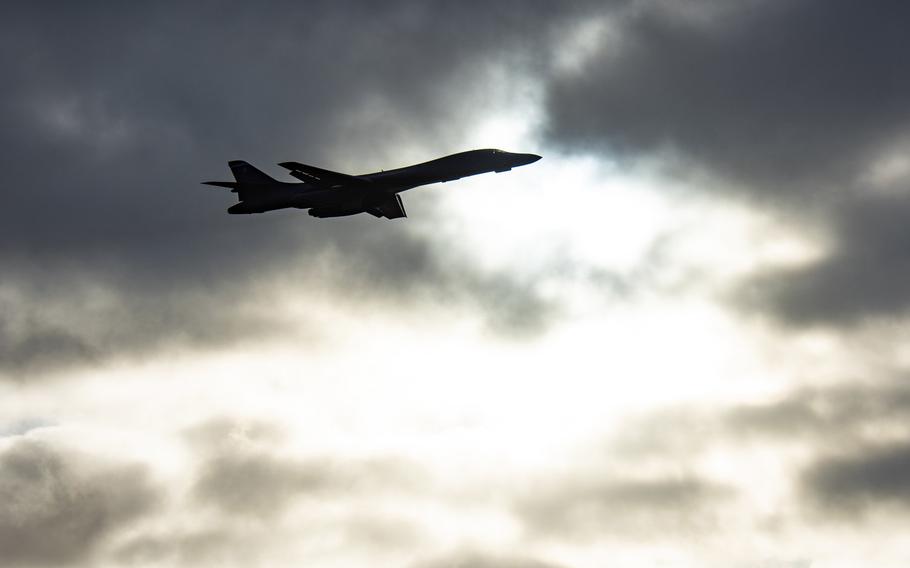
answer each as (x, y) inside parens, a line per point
(234, 542)
(24, 426)
(40, 346)
(798, 106)
(866, 275)
(840, 411)
(244, 471)
(855, 414)
(59, 507)
(859, 480)
(475, 559)
(781, 95)
(651, 508)
(210, 546)
(85, 321)
(843, 449)
(259, 484)
(250, 495)
(113, 117)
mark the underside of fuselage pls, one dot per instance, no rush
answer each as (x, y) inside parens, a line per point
(321, 203)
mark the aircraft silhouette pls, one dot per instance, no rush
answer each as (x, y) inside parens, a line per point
(332, 194)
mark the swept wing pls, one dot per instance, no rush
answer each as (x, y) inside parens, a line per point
(319, 177)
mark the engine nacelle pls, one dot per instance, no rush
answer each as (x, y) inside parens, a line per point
(322, 212)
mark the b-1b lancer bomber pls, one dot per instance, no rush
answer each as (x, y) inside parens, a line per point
(331, 194)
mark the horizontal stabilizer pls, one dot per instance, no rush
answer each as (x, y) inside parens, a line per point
(323, 178)
(227, 184)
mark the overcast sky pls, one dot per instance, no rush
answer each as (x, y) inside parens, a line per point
(678, 340)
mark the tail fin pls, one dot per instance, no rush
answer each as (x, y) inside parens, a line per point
(245, 173)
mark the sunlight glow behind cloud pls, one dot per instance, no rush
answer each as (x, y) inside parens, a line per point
(678, 339)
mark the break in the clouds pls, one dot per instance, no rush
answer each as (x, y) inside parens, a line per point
(801, 106)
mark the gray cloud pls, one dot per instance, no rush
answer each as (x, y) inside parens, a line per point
(24, 426)
(246, 479)
(178, 549)
(223, 433)
(476, 559)
(651, 508)
(57, 509)
(783, 94)
(851, 413)
(858, 433)
(113, 116)
(852, 443)
(792, 104)
(867, 275)
(839, 411)
(244, 543)
(210, 546)
(870, 477)
(38, 346)
(259, 484)
(244, 472)
(47, 328)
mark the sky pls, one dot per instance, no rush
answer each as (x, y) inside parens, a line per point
(678, 340)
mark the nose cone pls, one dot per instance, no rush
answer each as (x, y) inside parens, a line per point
(525, 159)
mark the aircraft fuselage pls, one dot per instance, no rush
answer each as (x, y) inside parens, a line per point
(332, 194)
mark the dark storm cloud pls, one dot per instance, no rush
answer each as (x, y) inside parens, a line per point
(871, 477)
(58, 507)
(649, 508)
(112, 115)
(792, 104)
(776, 93)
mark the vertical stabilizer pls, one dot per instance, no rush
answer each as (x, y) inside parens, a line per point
(245, 173)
